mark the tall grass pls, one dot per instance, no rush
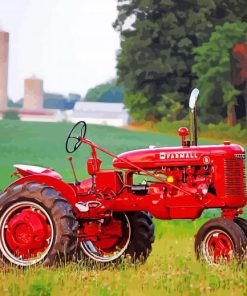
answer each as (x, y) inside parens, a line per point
(171, 269)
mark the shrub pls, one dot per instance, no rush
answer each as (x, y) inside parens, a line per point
(220, 131)
(11, 114)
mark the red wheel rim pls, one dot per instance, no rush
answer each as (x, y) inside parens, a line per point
(26, 233)
(114, 241)
(218, 247)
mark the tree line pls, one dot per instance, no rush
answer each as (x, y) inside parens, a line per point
(169, 46)
(51, 101)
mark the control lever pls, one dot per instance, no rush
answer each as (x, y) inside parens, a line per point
(70, 159)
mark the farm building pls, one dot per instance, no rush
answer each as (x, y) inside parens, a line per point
(41, 115)
(114, 114)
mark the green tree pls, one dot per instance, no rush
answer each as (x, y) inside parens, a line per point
(94, 93)
(213, 67)
(139, 105)
(105, 92)
(156, 54)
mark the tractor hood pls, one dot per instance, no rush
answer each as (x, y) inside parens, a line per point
(181, 156)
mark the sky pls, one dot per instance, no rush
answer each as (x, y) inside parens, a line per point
(70, 44)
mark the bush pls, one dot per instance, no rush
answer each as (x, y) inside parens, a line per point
(220, 131)
(11, 114)
(171, 127)
(226, 132)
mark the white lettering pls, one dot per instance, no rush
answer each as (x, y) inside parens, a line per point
(178, 155)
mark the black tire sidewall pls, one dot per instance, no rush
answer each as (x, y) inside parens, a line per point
(231, 229)
(55, 207)
(142, 236)
(242, 223)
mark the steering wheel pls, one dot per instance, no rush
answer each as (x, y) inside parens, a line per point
(78, 132)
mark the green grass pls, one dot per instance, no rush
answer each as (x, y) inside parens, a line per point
(171, 268)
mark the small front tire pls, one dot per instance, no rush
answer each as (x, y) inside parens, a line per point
(220, 241)
(242, 223)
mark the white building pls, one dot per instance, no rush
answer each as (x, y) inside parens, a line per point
(114, 114)
(44, 115)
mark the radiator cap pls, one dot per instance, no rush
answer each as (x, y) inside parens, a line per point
(227, 142)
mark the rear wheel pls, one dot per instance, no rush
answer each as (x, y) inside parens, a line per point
(36, 226)
(220, 241)
(142, 236)
(125, 234)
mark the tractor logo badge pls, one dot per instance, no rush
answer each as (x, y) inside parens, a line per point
(179, 155)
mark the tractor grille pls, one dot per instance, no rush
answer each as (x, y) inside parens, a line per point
(234, 177)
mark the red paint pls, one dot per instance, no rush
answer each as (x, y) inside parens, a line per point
(220, 247)
(93, 165)
(66, 190)
(183, 133)
(105, 236)
(27, 233)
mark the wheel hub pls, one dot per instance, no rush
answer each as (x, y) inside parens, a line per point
(220, 247)
(104, 235)
(26, 233)
(110, 242)
(21, 234)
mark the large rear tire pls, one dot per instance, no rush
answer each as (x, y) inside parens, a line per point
(220, 241)
(36, 226)
(142, 236)
(133, 238)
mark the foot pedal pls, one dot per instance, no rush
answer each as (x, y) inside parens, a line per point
(84, 207)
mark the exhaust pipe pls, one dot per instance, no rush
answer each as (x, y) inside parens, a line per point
(193, 116)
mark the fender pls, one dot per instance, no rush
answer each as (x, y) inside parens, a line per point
(65, 189)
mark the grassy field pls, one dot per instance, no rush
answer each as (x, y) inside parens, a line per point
(171, 268)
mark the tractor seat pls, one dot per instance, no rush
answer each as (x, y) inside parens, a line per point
(93, 165)
(26, 170)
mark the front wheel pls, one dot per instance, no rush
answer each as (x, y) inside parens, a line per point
(122, 235)
(220, 241)
(242, 223)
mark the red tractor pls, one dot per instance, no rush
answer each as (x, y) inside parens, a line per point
(109, 215)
